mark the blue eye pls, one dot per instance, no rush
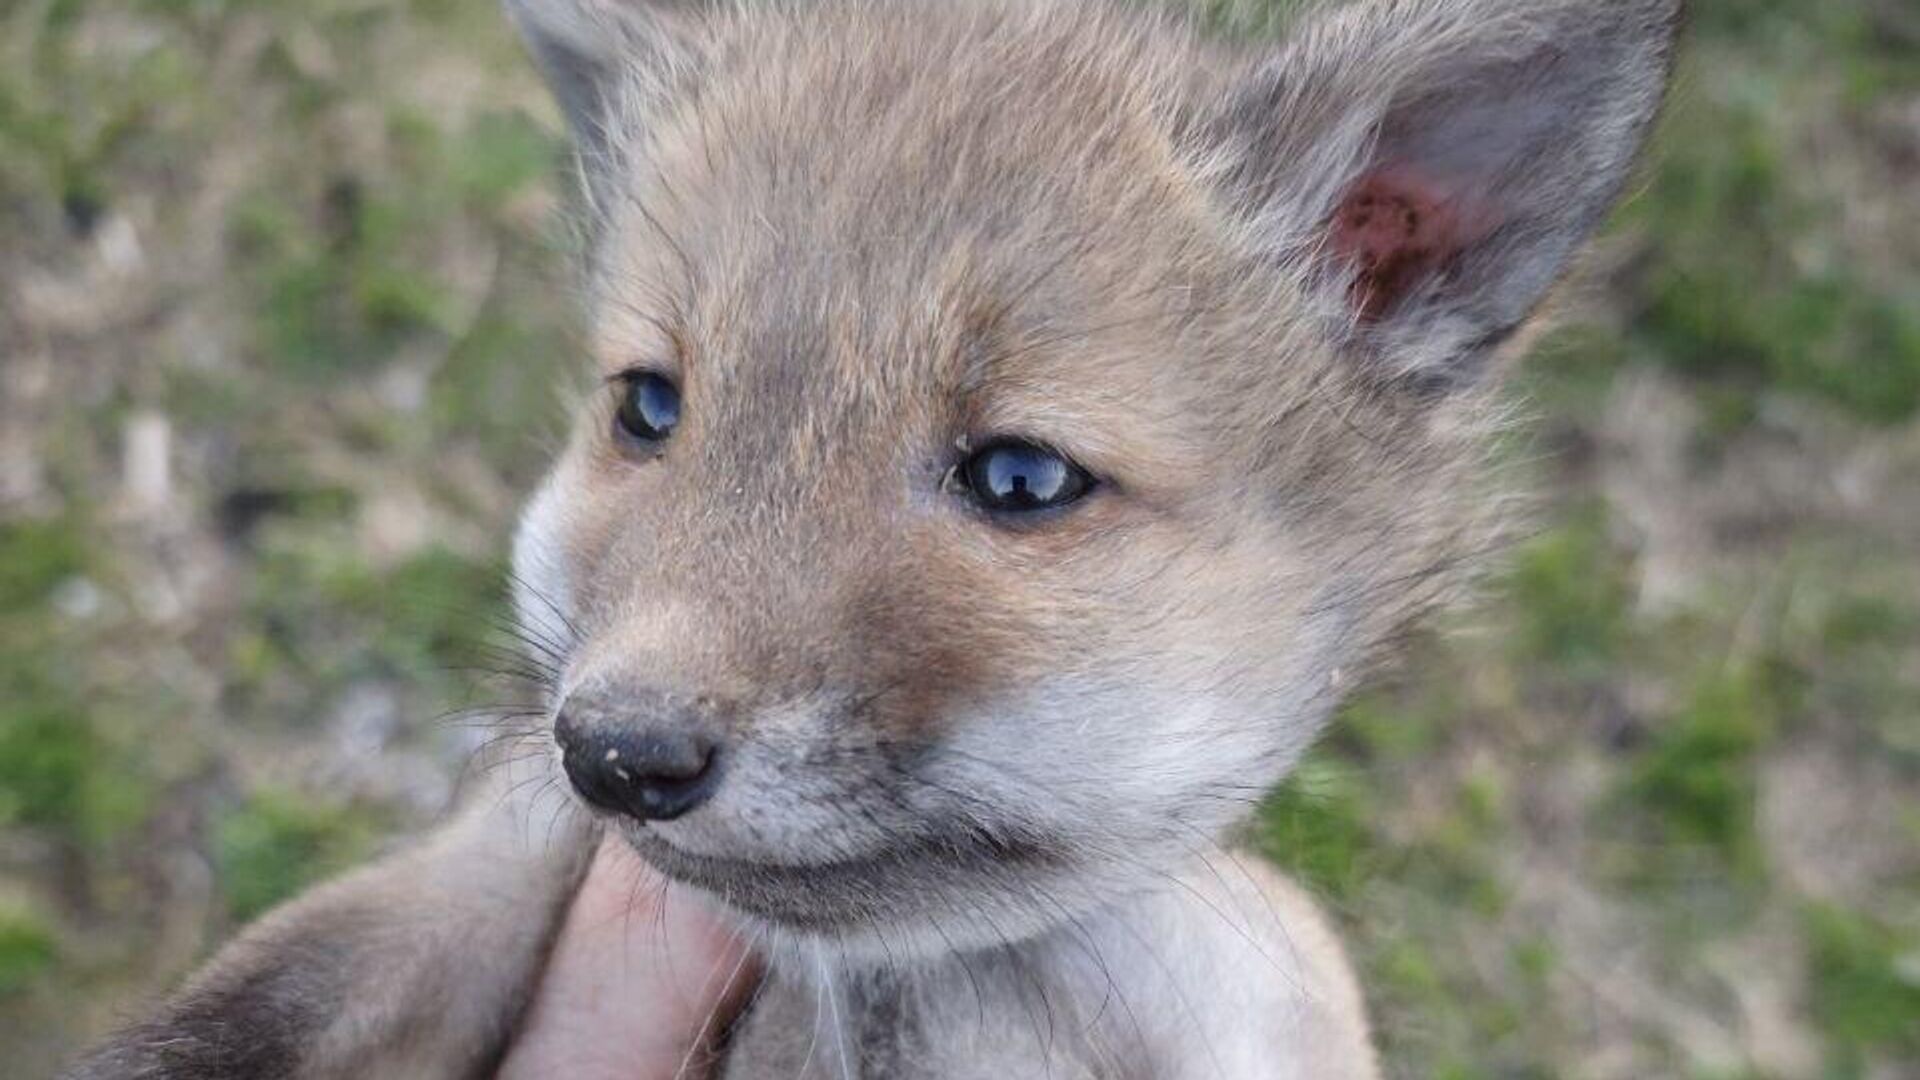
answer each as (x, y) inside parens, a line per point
(1012, 476)
(649, 408)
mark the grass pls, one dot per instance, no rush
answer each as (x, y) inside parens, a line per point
(1645, 811)
(279, 842)
(59, 767)
(1865, 988)
(29, 949)
(1749, 288)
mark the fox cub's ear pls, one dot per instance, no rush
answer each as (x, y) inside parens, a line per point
(1433, 164)
(606, 60)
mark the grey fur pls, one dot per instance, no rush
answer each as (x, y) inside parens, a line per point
(1538, 108)
(417, 966)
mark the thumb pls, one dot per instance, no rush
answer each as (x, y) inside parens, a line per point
(642, 979)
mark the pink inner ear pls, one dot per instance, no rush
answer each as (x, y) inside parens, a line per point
(1397, 229)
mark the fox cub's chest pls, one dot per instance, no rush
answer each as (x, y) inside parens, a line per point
(931, 1026)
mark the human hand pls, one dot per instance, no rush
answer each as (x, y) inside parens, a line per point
(642, 980)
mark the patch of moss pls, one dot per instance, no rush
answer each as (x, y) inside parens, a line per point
(1316, 827)
(322, 314)
(1696, 785)
(1864, 985)
(1728, 293)
(36, 557)
(279, 842)
(58, 772)
(1568, 593)
(499, 385)
(58, 769)
(1387, 728)
(1454, 855)
(320, 617)
(28, 948)
(499, 156)
(1570, 371)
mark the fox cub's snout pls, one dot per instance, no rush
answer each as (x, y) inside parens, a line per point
(1016, 420)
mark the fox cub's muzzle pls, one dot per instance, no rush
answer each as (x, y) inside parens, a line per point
(654, 758)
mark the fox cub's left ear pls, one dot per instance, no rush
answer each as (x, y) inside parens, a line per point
(608, 62)
(1432, 165)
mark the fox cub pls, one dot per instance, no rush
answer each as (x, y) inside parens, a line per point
(1018, 422)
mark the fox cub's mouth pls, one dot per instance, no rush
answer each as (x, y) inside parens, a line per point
(825, 897)
(830, 833)
(771, 890)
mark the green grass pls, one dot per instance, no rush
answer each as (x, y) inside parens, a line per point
(1695, 784)
(333, 618)
(60, 770)
(279, 842)
(1570, 599)
(1865, 988)
(29, 948)
(1746, 291)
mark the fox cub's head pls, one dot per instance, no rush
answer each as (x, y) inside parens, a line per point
(1015, 417)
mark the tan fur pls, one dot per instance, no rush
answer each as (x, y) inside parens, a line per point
(417, 965)
(978, 757)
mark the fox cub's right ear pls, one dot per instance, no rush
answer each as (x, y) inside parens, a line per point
(607, 61)
(1436, 163)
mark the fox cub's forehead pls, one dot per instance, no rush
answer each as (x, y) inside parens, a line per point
(941, 192)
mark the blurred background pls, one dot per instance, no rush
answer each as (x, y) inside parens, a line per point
(284, 295)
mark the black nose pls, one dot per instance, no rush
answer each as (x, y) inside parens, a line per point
(653, 775)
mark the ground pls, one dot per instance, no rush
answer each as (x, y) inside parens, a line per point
(1650, 808)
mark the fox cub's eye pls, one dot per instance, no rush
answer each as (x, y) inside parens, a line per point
(1014, 477)
(649, 408)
